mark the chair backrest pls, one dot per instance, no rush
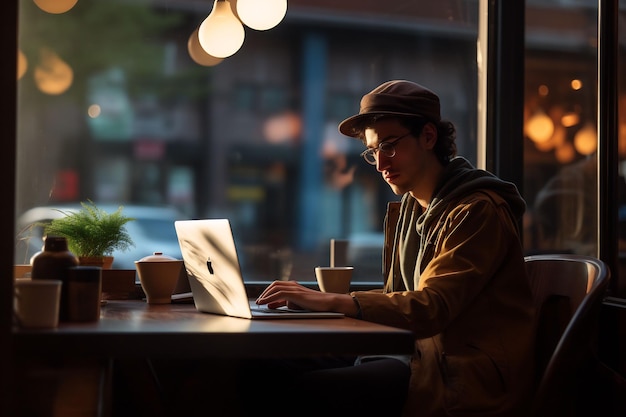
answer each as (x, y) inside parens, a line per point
(567, 292)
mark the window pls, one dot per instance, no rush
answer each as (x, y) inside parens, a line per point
(560, 162)
(111, 99)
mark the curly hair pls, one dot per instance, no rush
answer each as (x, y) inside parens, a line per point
(445, 148)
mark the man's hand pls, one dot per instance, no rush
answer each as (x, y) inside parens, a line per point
(294, 295)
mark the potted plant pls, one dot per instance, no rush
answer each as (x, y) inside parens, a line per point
(92, 234)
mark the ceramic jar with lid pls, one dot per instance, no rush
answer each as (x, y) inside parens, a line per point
(54, 262)
(158, 275)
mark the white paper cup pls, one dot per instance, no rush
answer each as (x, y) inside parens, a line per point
(36, 302)
(334, 279)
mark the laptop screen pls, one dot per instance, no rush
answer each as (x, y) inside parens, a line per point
(212, 264)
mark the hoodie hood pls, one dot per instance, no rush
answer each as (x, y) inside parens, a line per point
(460, 178)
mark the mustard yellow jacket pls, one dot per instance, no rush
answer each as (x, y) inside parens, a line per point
(458, 281)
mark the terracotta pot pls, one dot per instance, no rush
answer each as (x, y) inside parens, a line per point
(103, 262)
(108, 262)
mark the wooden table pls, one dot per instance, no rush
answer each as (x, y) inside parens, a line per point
(134, 328)
(131, 336)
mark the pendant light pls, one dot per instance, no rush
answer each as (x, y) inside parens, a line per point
(221, 34)
(22, 64)
(198, 54)
(55, 6)
(261, 15)
(52, 75)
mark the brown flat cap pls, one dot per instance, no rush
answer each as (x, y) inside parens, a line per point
(394, 98)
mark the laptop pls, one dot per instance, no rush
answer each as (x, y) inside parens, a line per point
(214, 273)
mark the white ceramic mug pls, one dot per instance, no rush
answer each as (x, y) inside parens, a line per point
(36, 302)
(334, 279)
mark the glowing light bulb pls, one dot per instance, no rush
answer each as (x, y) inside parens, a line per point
(540, 127)
(94, 111)
(55, 6)
(570, 119)
(53, 75)
(586, 139)
(221, 34)
(22, 64)
(261, 15)
(199, 55)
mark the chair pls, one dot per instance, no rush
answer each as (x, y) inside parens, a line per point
(568, 291)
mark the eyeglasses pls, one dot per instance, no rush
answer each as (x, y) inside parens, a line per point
(387, 148)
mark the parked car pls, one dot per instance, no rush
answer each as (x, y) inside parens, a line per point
(151, 231)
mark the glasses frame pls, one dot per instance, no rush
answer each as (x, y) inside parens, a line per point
(387, 148)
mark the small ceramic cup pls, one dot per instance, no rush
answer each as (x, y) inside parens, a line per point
(36, 302)
(334, 279)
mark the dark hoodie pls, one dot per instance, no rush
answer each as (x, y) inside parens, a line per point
(468, 304)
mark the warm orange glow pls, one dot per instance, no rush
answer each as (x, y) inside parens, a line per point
(586, 139)
(199, 55)
(565, 153)
(545, 146)
(22, 64)
(543, 90)
(560, 135)
(557, 140)
(622, 139)
(570, 119)
(576, 84)
(282, 128)
(55, 6)
(52, 75)
(539, 127)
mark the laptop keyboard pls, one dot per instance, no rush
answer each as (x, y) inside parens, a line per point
(277, 310)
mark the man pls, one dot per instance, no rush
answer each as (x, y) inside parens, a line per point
(458, 279)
